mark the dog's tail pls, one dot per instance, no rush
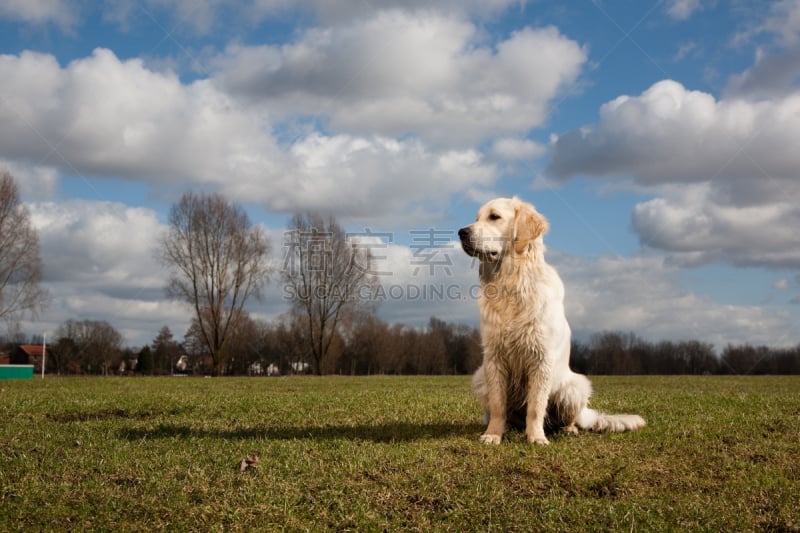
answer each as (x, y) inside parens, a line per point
(595, 421)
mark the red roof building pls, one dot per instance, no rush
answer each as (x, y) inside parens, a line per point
(28, 354)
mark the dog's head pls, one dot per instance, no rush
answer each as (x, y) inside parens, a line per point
(503, 225)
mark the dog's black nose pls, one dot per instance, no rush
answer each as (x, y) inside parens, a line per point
(463, 233)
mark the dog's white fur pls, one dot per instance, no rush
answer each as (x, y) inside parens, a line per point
(525, 380)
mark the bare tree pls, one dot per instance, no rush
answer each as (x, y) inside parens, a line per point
(165, 351)
(243, 347)
(288, 339)
(92, 346)
(64, 356)
(218, 260)
(20, 262)
(327, 277)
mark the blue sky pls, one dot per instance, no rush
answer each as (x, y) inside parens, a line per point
(659, 138)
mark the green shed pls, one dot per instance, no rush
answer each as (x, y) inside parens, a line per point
(16, 371)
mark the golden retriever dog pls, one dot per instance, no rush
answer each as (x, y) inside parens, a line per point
(525, 379)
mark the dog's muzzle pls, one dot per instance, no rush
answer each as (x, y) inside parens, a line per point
(465, 234)
(470, 242)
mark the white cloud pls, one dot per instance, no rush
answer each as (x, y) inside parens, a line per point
(99, 264)
(514, 149)
(731, 163)
(695, 227)
(781, 19)
(607, 293)
(378, 178)
(35, 182)
(103, 116)
(103, 246)
(643, 295)
(399, 73)
(682, 9)
(137, 319)
(333, 12)
(432, 276)
(204, 17)
(772, 76)
(685, 50)
(62, 13)
(776, 69)
(100, 116)
(403, 99)
(657, 136)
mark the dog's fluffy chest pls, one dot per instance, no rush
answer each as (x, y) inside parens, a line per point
(511, 332)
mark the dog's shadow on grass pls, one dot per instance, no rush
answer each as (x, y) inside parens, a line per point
(379, 433)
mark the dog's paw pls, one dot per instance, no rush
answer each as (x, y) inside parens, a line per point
(542, 441)
(571, 429)
(486, 438)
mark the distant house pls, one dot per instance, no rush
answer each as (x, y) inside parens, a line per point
(300, 367)
(5, 358)
(182, 365)
(255, 369)
(28, 354)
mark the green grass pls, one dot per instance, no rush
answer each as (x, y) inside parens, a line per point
(390, 453)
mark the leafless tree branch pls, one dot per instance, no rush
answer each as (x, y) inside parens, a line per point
(218, 260)
(324, 273)
(20, 260)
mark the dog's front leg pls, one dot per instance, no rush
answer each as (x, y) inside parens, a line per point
(496, 392)
(538, 393)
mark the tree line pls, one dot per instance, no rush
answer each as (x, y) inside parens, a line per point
(217, 260)
(370, 345)
(619, 353)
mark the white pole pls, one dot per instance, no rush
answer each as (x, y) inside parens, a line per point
(44, 352)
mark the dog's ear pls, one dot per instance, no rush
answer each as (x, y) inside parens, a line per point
(528, 225)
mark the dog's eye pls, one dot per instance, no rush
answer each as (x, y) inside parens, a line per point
(494, 216)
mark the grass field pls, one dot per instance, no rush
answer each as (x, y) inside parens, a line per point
(390, 453)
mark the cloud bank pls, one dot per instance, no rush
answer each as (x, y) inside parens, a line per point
(725, 171)
(373, 117)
